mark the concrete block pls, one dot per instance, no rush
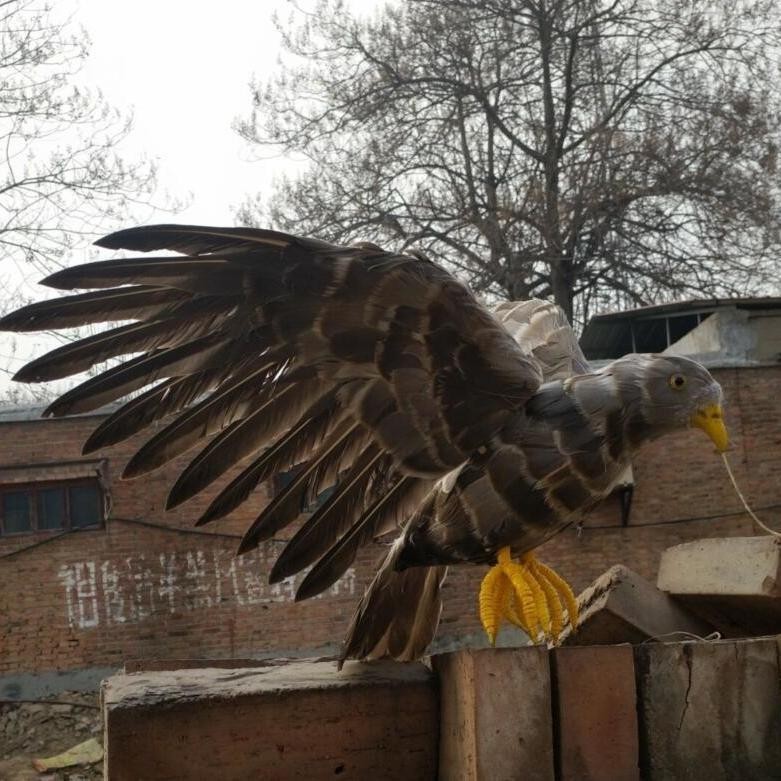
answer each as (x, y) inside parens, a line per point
(709, 711)
(595, 707)
(623, 607)
(302, 720)
(734, 583)
(496, 718)
(158, 665)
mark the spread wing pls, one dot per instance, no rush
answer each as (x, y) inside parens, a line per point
(542, 328)
(380, 371)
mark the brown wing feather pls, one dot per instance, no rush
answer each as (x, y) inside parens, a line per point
(151, 406)
(235, 399)
(244, 437)
(389, 367)
(335, 556)
(199, 240)
(182, 325)
(336, 454)
(136, 303)
(187, 275)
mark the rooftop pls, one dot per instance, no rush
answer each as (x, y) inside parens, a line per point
(657, 328)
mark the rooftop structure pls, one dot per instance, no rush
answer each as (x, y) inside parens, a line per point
(722, 332)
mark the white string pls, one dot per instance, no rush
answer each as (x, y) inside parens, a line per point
(687, 637)
(743, 499)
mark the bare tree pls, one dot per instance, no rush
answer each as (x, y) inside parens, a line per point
(62, 177)
(600, 153)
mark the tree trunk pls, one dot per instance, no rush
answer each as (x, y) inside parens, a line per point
(561, 284)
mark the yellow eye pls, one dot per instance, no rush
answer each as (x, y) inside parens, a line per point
(677, 381)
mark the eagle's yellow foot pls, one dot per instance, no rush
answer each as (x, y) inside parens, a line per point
(527, 594)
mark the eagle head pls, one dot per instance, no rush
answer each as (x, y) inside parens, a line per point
(677, 392)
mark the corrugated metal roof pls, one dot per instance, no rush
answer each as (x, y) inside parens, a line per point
(610, 335)
(694, 304)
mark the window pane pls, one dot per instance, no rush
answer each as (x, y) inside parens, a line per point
(51, 508)
(283, 479)
(16, 512)
(85, 505)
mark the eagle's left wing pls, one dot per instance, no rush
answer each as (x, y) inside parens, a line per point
(273, 350)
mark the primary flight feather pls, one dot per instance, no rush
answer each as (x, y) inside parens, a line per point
(465, 432)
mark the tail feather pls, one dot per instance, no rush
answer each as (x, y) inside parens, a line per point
(399, 613)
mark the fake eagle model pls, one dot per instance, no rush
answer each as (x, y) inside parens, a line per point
(474, 436)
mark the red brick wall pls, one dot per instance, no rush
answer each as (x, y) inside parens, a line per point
(96, 598)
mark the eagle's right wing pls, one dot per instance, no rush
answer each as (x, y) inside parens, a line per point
(542, 328)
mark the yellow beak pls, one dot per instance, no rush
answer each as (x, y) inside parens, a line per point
(711, 420)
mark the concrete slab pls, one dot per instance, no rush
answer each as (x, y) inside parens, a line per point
(158, 665)
(734, 583)
(709, 711)
(302, 720)
(496, 718)
(749, 566)
(623, 607)
(595, 707)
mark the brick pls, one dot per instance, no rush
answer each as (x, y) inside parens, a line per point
(596, 713)
(302, 720)
(735, 583)
(622, 607)
(495, 715)
(710, 711)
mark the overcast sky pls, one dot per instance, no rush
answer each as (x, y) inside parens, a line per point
(183, 68)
